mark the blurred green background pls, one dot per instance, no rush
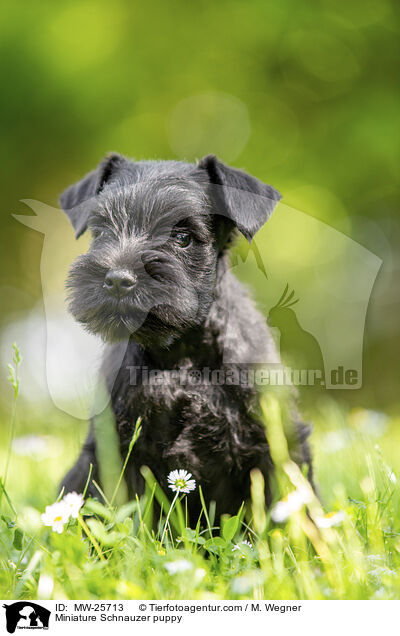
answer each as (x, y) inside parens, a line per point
(305, 96)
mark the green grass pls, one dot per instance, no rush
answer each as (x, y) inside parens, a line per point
(116, 554)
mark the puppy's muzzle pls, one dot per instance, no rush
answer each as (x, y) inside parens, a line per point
(119, 282)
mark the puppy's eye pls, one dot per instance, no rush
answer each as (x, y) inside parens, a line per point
(183, 239)
(97, 233)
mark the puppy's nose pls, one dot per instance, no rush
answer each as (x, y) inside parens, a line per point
(119, 282)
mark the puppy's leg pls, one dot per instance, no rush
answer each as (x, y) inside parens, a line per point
(297, 432)
(299, 448)
(75, 479)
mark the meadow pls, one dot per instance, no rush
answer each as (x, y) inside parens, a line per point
(343, 544)
(304, 96)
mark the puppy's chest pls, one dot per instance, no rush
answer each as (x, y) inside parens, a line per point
(183, 414)
(170, 400)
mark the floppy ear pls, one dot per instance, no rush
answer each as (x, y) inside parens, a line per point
(74, 198)
(245, 200)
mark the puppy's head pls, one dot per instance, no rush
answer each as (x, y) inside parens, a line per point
(158, 230)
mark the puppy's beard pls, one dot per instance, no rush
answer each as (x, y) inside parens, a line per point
(155, 333)
(160, 308)
(149, 329)
(161, 325)
(147, 321)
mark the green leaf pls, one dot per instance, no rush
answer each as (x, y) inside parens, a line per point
(190, 536)
(215, 545)
(107, 539)
(125, 511)
(230, 527)
(161, 497)
(18, 536)
(92, 506)
(9, 522)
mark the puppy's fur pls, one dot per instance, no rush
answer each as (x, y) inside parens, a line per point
(168, 226)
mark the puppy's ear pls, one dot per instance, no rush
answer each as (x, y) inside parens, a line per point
(74, 198)
(245, 200)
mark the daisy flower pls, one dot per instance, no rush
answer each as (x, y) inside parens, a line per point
(59, 513)
(30, 445)
(293, 502)
(178, 566)
(56, 516)
(237, 546)
(330, 519)
(74, 502)
(179, 481)
(45, 586)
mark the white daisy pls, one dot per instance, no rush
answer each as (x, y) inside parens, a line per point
(37, 446)
(56, 516)
(179, 481)
(180, 565)
(45, 586)
(199, 575)
(237, 546)
(293, 502)
(30, 445)
(330, 519)
(74, 503)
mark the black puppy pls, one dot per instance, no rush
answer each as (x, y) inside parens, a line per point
(157, 282)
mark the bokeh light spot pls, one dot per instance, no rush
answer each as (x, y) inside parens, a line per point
(212, 122)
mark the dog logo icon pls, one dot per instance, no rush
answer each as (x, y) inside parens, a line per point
(26, 615)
